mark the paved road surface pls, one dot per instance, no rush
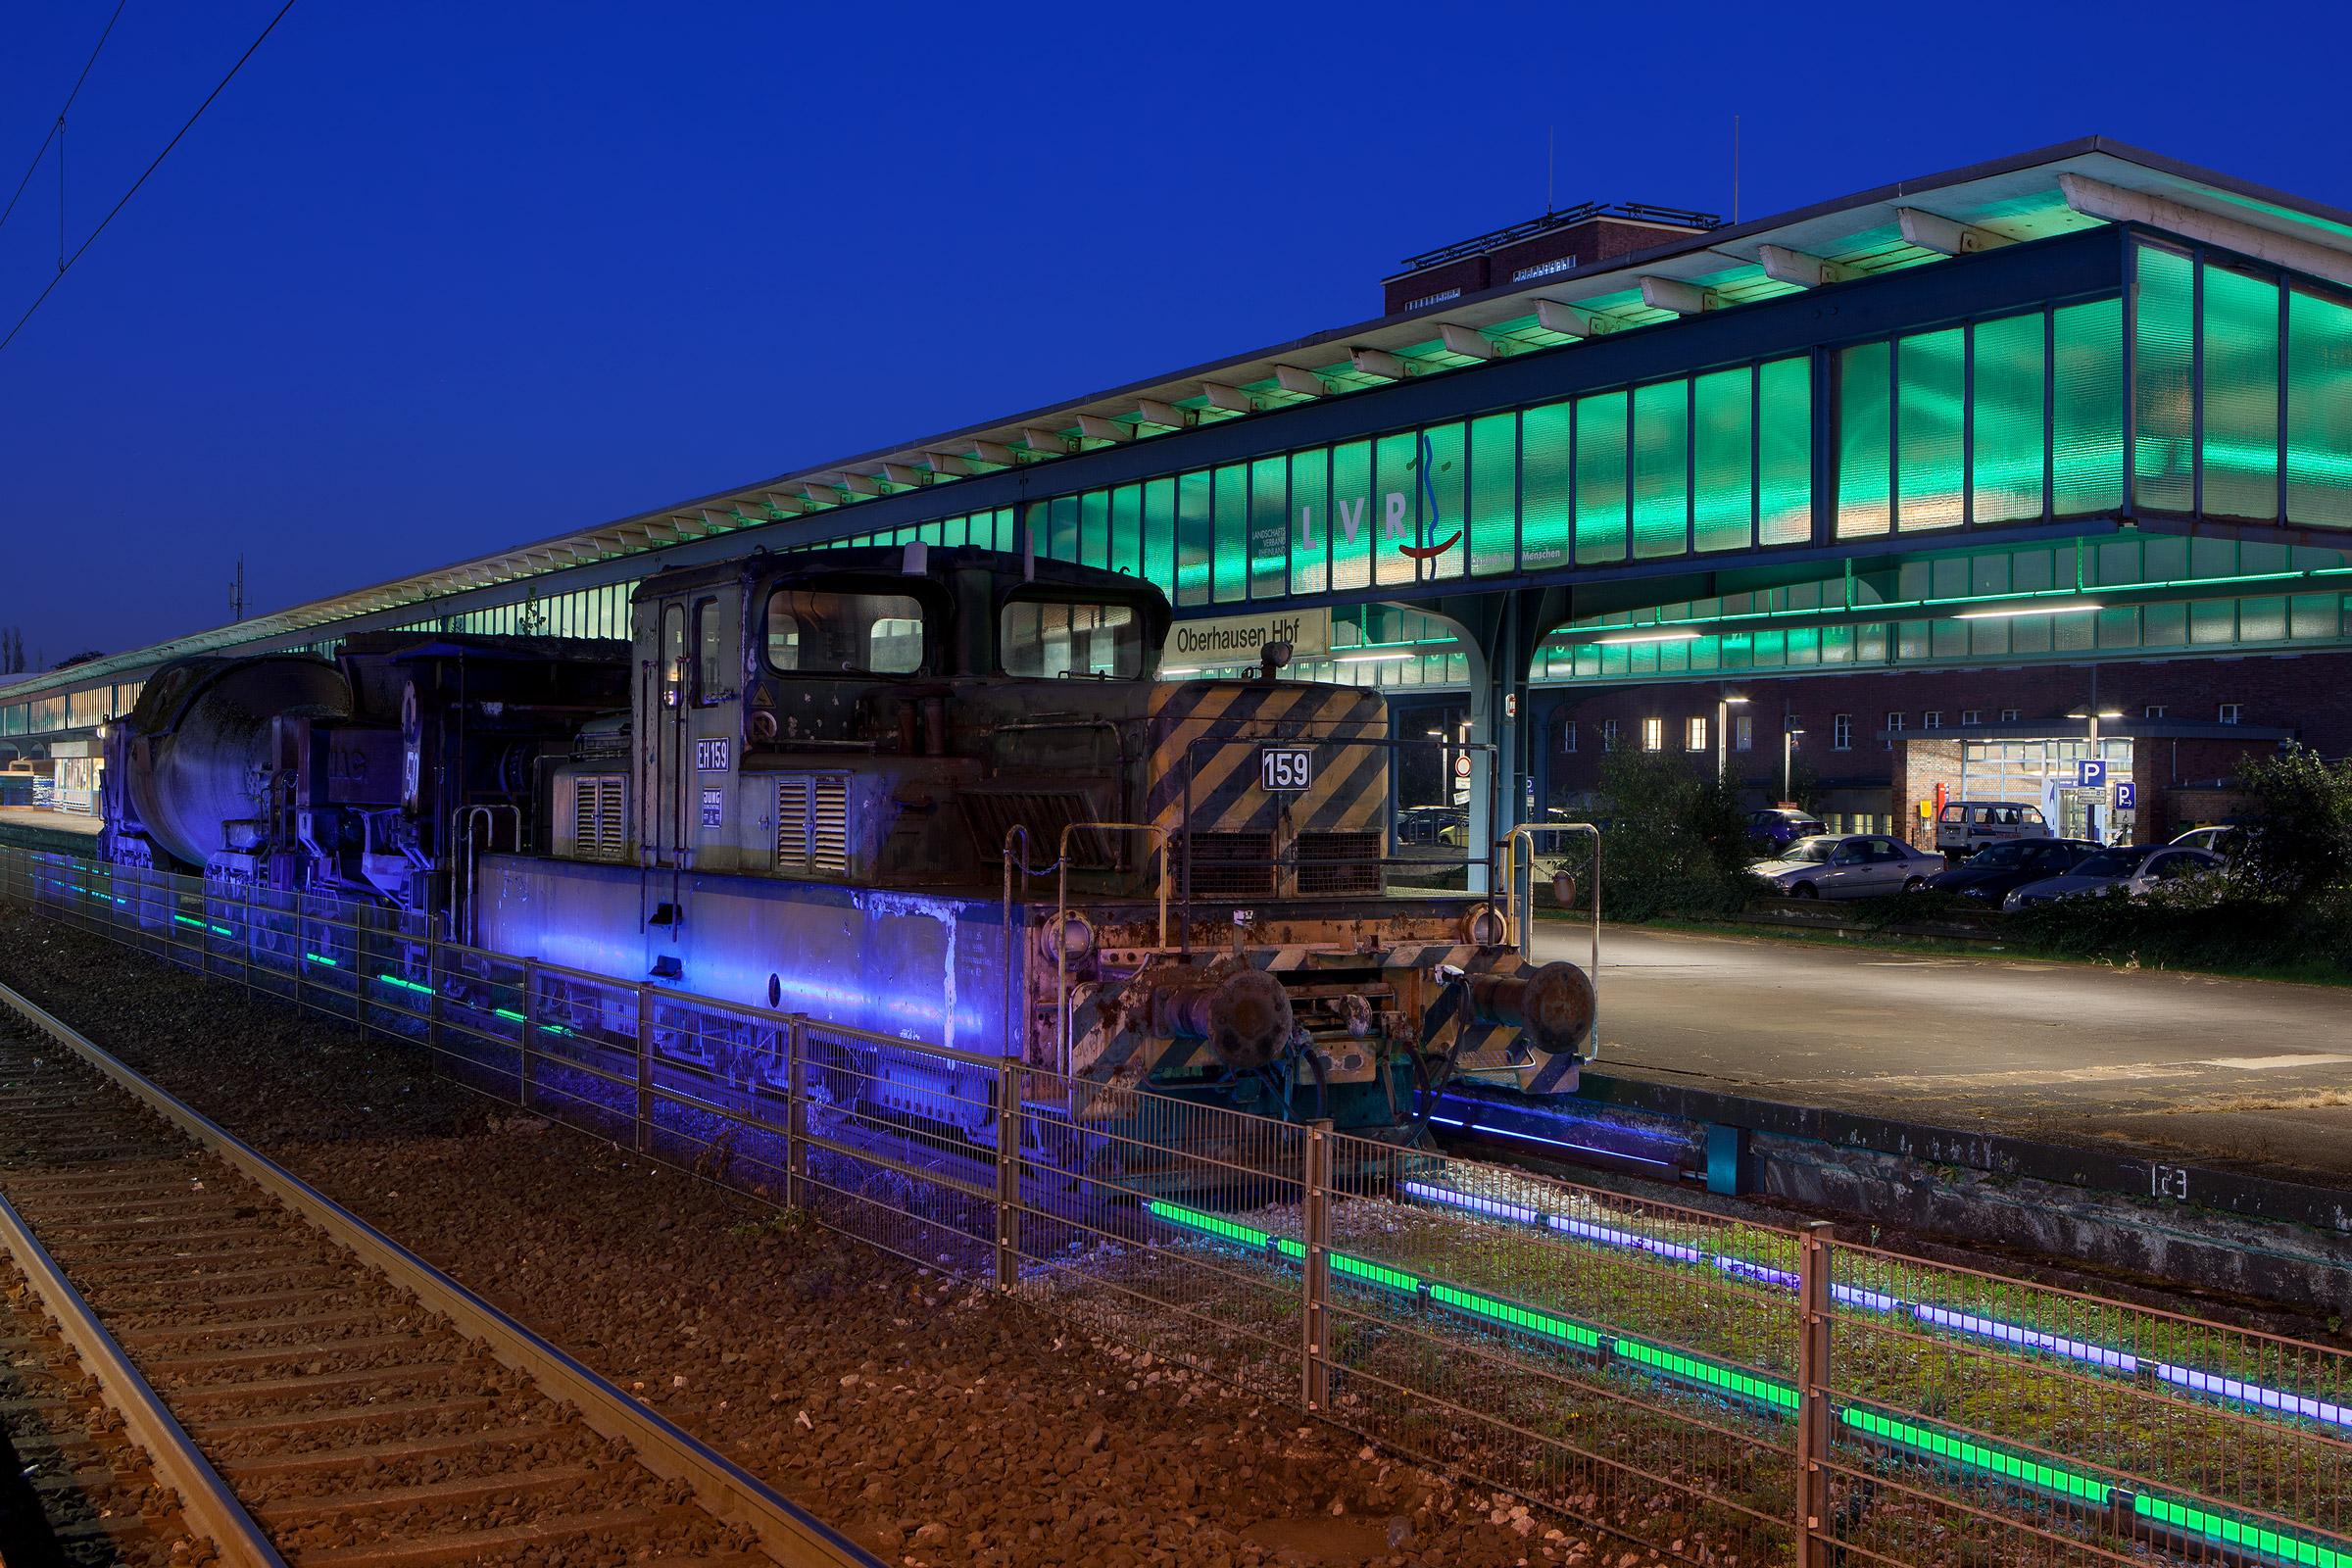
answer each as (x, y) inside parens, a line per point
(2233, 1069)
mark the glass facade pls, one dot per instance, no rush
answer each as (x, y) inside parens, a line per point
(1697, 464)
(2241, 391)
(2012, 420)
(2260, 597)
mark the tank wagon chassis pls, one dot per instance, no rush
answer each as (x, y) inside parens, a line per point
(816, 783)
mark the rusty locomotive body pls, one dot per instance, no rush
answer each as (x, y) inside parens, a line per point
(943, 795)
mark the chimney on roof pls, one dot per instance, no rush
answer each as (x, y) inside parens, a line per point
(1527, 253)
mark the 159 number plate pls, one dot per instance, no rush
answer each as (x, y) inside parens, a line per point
(1286, 767)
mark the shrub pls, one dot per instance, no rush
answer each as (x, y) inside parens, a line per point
(2299, 844)
(1676, 841)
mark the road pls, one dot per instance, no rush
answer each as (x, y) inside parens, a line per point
(2246, 1070)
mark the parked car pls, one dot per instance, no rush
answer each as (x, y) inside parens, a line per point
(1849, 866)
(2208, 839)
(2137, 866)
(1963, 827)
(1422, 824)
(1994, 872)
(1779, 826)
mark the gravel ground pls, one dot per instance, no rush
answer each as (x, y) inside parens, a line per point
(939, 1424)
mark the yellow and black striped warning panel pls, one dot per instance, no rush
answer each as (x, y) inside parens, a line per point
(1205, 737)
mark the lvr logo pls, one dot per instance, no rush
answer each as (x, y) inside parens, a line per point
(1429, 490)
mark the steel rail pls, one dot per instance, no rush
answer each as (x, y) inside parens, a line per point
(788, 1533)
(205, 1500)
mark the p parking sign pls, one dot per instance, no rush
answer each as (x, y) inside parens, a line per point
(2090, 773)
(2126, 796)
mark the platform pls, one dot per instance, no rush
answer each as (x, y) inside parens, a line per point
(2252, 1074)
(39, 828)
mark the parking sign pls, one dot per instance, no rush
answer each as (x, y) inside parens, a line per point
(2090, 773)
(2126, 796)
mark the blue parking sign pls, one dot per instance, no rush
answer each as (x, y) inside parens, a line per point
(2126, 796)
(2090, 773)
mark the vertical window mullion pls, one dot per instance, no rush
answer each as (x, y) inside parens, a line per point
(1756, 453)
(2049, 416)
(2285, 296)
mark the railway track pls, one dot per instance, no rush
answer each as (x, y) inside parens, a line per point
(314, 1396)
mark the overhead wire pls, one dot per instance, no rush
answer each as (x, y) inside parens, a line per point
(57, 126)
(67, 262)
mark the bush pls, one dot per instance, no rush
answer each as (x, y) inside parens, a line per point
(2299, 845)
(2179, 931)
(1676, 841)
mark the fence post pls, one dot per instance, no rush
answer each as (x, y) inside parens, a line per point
(1816, 1548)
(796, 1111)
(359, 966)
(526, 1069)
(644, 1068)
(1315, 1223)
(1009, 1173)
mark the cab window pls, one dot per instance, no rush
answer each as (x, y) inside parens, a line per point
(1052, 637)
(826, 633)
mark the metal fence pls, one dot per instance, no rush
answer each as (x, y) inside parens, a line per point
(1723, 1391)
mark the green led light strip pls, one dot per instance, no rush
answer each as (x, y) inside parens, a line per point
(1782, 1399)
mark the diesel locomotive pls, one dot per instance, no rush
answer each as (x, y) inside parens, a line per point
(940, 794)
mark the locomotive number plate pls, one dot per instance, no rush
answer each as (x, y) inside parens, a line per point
(1285, 767)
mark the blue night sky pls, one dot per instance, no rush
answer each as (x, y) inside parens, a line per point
(430, 279)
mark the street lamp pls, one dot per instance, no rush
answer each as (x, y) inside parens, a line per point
(1723, 734)
(1787, 746)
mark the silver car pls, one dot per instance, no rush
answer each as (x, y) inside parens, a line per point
(2137, 867)
(1854, 865)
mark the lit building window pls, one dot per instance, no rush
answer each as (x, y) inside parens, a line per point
(1696, 737)
(1653, 734)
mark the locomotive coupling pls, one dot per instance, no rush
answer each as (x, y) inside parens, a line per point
(1552, 1007)
(1245, 1015)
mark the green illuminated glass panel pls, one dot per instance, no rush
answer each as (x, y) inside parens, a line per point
(1354, 519)
(1544, 487)
(1159, 535)
(2011, 392)
(1094, 528)
(1396, 506)
(1310, 520)
(1196, 539)
(1785, 452)
(2242, 395)
(1864, 448)
(2163, 370)
(1127, 529)
(2087, 408)
(1931, 381)
(1269, 528)
(2319, 411)
(1493, 493)
(1231, 565)
(1441, 475)
(1661, 469)
(1600, 490)
(1723, 460)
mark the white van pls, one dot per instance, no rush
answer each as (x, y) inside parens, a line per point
(1967, 826)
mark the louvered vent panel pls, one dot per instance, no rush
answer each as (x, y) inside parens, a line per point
(1358, 854)
(813, 824)
(1231, 865)
(596, 825)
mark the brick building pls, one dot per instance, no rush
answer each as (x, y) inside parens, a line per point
(1871, 746)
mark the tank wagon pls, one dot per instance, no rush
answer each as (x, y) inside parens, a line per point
(942, 794)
